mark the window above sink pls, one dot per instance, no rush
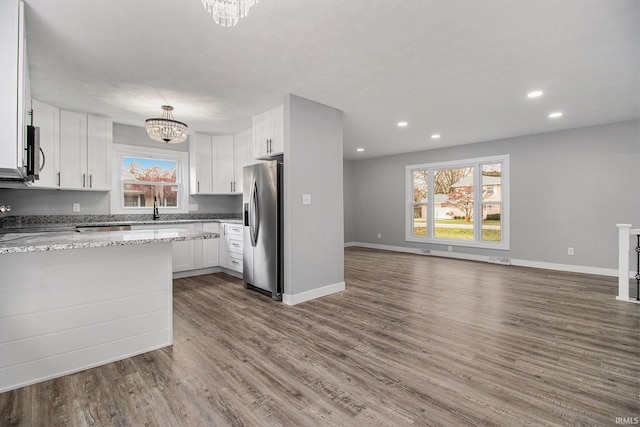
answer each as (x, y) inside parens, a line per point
(142, 174)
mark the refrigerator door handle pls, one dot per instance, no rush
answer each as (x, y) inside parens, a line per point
(254, 214)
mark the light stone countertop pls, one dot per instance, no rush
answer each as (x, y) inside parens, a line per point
(63, 240)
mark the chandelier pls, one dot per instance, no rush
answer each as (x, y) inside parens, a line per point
(165, 129)
(226, 13)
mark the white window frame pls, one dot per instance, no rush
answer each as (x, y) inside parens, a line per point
(182, 178)
(477, 213)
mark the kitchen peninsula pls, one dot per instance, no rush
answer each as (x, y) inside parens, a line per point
(71, 301)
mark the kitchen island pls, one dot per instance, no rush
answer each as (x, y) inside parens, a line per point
(71, 301)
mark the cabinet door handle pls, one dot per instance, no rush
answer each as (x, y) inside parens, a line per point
(58, 179)
(224, 229)
(90, 180)
(198, 187)
(84, 179)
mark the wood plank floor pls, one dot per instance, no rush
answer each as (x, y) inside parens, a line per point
(412, 341)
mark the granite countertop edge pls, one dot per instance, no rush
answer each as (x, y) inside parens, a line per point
(42, 242)
(36, 222)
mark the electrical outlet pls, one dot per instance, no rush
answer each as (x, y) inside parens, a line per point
(379, 236)
(76, 207)
(193, 208)
(450, 248)
(570, 251)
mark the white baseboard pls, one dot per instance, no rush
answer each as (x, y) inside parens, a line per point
(349, 244)
(385, 247)
(198, 272)
(612, 272)
(294, 299)
(628, 300)
(566, 267)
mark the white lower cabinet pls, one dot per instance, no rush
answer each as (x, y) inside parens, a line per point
(231, 246)
(224, 252)
(182, 253)
(210, 247)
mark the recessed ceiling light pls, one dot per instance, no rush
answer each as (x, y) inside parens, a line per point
(360, 149)
(435, 136)
(402, 124)
(534, 94)
(555, 115)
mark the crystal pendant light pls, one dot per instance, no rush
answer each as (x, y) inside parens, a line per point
(226, 13)
(165, 128)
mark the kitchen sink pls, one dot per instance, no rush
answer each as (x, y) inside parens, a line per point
(100, 228)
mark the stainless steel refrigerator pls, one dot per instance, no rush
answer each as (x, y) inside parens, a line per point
(262, 239)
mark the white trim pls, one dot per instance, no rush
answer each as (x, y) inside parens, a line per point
(477, 162)
(628, 300)
(515, 262)
(289, 299)
(133, 150)
(566, 267)
(349, 244)
(387, 247)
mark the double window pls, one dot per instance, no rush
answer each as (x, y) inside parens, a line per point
(464, 203)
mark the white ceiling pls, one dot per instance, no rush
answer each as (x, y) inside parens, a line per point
(460, 68)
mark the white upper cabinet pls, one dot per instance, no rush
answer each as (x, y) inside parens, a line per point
(268, 133)
(47, 118)
(99, 152)
(73, 150)
(243, 151)
(86, 146)
(200, 164)
(223, 175)
(14, 88)
(216, 162)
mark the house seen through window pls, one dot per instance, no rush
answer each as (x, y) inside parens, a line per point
(459, 202)
(144, 179)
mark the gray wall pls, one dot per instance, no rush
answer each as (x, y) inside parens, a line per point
(568, 188)
(313, 234)
(59, 202)
(349, 201)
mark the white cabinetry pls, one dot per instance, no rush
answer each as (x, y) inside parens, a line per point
(182, 253)
(47, 118)
(216, 163)
(85, 151)
(14, 85)
(231, 246)
(210, 247)
(99, 152)
(243, 155)
(200, 164)
(223, 181)
(268, 133)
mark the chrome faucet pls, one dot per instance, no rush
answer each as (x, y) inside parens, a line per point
(156, 214)
(4, 209)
